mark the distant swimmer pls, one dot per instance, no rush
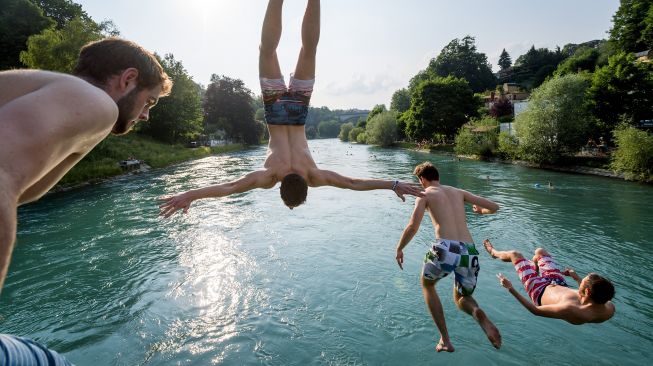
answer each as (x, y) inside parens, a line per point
(550, 294)
(289, 160)
(452, 251)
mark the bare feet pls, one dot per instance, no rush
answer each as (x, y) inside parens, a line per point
(488, 246)
(490, 330)
(444, 346)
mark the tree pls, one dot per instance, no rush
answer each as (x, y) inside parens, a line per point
(442, 106)
(311, 132)
(382, 129)
(378, 109)
(557, 120)
(502, 108)
(634, 154)
(344, 131)
(633, 25)
(58, 49)
(400, 101)
(533, 67)
(177, 117)
(328, 129)
(504, 60)
(19, 19)
(228, 106)
(61, 11)
(460, 59)
(355, 132)
(621, 88)
(583, 59)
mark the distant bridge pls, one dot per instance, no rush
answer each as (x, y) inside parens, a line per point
(354, 115)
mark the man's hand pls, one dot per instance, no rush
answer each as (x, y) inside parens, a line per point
(170, 205)
(406, 188)
(504, 281)
(400, 258)
(569, 272)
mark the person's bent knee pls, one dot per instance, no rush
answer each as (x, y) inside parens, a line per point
(265, 50)
(515, 255)
(540, 252)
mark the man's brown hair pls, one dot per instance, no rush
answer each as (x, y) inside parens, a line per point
(427, 171)
(293, 190)
(105, 58)
(601, 289)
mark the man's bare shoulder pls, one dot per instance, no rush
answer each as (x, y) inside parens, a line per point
(56, 89)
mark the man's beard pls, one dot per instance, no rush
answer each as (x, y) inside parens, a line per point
(125, 111)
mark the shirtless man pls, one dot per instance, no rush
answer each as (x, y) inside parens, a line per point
(50, 121)
(452, 251)
(551, 295)
(289, 159)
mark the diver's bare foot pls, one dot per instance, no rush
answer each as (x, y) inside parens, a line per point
(488, 246)
(490, 330)
(444, 346)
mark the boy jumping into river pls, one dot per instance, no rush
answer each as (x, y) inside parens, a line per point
(453, 250)
(289, 160)
(551, 295)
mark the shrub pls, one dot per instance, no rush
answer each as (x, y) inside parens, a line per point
(634, 154)
(477, 138)
(382, 129)
(508, 146)
(345, 129)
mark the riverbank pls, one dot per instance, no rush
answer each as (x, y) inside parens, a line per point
(597, 167)
(103, 162)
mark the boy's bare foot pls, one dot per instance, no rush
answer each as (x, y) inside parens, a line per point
(488, 246)
(444, 346)
(490, 330)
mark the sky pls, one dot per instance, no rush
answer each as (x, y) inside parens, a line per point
(368, 48)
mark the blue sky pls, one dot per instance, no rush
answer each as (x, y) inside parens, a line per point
(368, 48)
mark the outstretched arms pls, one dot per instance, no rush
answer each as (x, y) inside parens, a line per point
(410, 230)
(558, 311)
(330, 178)
(257, 179)
(481, 205)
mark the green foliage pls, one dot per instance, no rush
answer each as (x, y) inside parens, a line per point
(584, 59)
(557, 120)
(102, 161)
(228, 106)
(441, 105)
(533, 67)
(361, 138)
(378, 109)
(345, 129)
(633, 25)
(382, 129)
(353, 134)
(178, 117)
(328, 129)
(311, 132)
(58, 49)
(634, 154)
(400, 101)
(19, 19)
(501, 108)
(61, 11)
(477, 138)
(504, 60)
(461, 59)
(621, 88)
(508, 146)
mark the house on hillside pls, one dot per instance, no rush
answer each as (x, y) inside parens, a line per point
(644, 56)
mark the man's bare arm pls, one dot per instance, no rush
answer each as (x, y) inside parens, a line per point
(330, 178)
(411, 229)
(571, 273)
(257, 179)
(547, 311)
(480, 204)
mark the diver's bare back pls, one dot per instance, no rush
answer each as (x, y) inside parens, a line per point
(62, 116)
(446, 207)
(288, 152)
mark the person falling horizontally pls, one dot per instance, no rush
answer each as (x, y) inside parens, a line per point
(289, 159)
(550, 294)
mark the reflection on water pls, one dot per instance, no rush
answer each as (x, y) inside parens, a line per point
(241, 280)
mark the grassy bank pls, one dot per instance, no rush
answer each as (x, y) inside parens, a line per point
(102, 161)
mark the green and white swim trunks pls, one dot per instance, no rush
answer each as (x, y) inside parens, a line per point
(448, 256)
